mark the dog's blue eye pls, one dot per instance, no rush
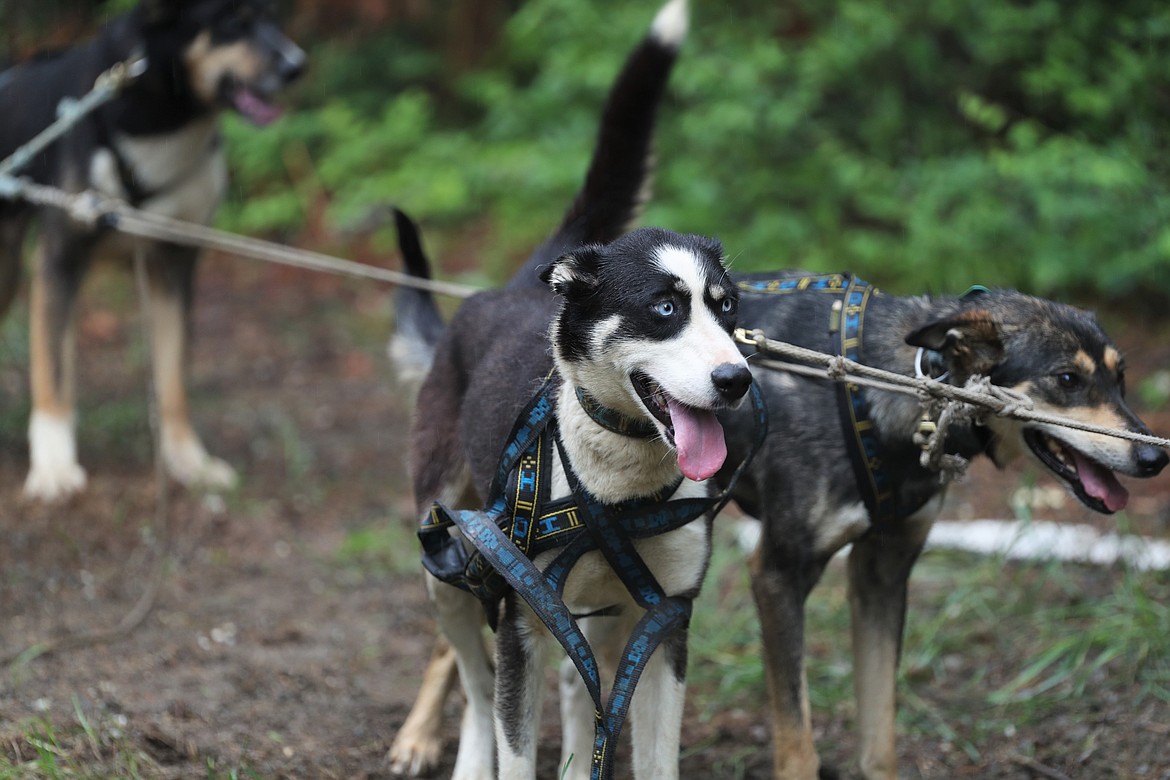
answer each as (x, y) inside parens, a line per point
(728, 306)
(664, 308)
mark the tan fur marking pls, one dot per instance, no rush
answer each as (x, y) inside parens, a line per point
(51, 394)
(208, 64)
(1112, 360)
(418, 744)
(1085, 363)
(794, 756)
(169, 342)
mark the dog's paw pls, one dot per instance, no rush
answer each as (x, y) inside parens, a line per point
(214, 474)
(479, 773)
(192, 466)
(52, 483)
(414, 755)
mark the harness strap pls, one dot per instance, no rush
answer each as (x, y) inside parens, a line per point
(846, 323)
(507, 535)
(865, 451)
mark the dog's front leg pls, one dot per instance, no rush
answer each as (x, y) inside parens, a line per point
(61, 260)
(171, 271)
(657, 708)
(461, 620)
(521, 649)
(605, 635)
(780, 585)
(879, 568)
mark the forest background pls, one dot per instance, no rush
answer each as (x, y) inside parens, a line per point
(926, 145)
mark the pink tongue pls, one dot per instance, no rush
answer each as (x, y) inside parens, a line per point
(699, 439)
(255, 108)
(1100, 483)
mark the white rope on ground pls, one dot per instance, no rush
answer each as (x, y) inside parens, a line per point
(1028, 540)
(1002, 401)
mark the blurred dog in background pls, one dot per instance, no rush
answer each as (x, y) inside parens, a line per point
(157, 145)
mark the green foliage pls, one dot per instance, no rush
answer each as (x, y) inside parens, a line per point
(927, 145)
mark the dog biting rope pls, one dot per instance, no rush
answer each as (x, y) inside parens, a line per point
(952, 403)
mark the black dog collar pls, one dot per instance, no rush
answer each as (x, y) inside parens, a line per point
(613, 420)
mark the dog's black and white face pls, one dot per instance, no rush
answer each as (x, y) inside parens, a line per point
(233, 52)
(645, 328)
(1061, 358)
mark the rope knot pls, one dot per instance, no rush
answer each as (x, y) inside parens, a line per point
(837, 367)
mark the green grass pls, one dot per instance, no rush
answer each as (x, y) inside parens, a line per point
(988, 643)
(385, 546)
(92, 746)
(89, 747)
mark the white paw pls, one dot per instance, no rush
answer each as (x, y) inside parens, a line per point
(54, 473)
(478, 773)
(414, 755)
(190, 465)
(56, 482)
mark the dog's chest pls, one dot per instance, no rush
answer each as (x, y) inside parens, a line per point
(182, 174)
(678, 559)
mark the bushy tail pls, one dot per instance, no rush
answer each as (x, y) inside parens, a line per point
(621, 171)
(616, 186)
(418, 323)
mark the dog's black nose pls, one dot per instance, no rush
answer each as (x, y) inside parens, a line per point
(292, 65)
(1151, 460)
(732, 380)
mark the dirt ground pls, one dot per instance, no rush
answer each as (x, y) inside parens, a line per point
(291, 628)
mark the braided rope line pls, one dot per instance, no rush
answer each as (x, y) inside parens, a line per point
(91, 209)
(977, 392)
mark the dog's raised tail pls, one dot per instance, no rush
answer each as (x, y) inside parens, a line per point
(418, 324)
(620, 174)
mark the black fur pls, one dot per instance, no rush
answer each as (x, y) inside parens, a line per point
(636, 298)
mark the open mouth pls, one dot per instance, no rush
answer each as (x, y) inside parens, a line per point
(695, 433)
(1094, 484)
(252, 105)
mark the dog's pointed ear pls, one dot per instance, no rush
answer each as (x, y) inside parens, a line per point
(573, 276)
(969, 341)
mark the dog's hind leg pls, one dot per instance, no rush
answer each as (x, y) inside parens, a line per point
(416, 747)
(61, 259)
(879, 568)
(520, 660)
(171, 270)
(461, 620)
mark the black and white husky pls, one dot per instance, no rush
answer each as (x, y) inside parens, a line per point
(156, 145)
(641, 323)
(642, 326)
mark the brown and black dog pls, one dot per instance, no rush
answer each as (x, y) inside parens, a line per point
(804, 489)
(156, 145)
